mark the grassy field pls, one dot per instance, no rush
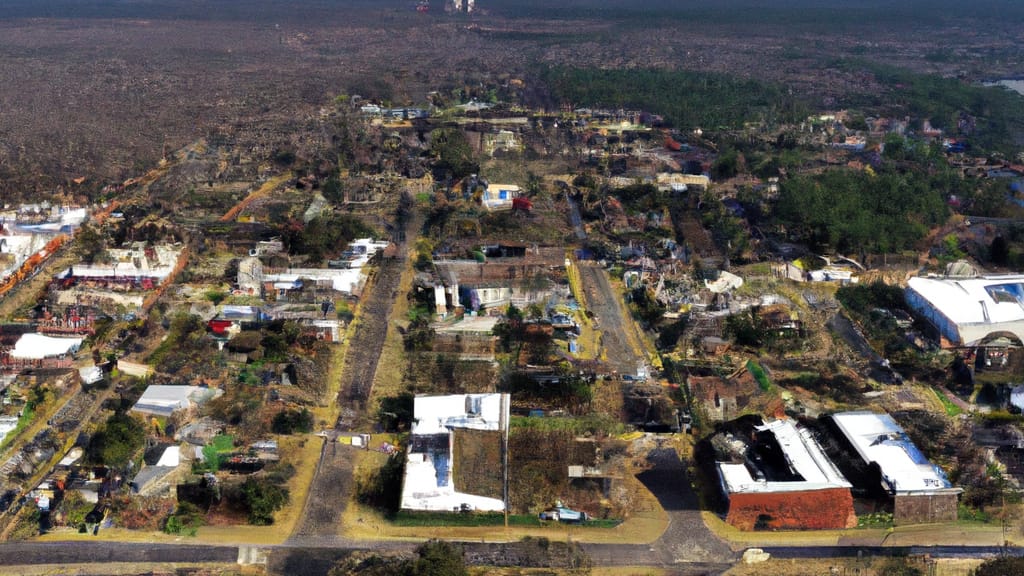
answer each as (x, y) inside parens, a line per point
(947, 404)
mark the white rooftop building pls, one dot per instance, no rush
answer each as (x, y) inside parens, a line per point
(499, 196)
(166, 400)
(971, 311)
(878, 439)
(429, 484)
(804, 456)
(40, 346)
(347, 280)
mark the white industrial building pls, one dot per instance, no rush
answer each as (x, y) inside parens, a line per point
(429, 483)
(920, 490)
(971, 311)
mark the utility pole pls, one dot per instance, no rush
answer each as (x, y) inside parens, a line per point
(503, 424)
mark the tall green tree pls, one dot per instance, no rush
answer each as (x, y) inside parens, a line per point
(117, 441)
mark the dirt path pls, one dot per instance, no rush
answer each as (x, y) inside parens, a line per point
(621, 351)
(331, 489)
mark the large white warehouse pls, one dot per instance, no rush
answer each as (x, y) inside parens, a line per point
(971, 311)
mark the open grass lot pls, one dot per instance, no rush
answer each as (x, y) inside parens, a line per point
(364, 523)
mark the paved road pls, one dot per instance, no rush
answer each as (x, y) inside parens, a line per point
(575, 219)
(687, 538)
(28, 553)
(611, 318)
(320, 524)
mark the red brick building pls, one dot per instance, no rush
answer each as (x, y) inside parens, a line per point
(782, 479)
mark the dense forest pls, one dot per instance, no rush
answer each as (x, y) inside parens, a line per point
(852, 211)
(685, 99)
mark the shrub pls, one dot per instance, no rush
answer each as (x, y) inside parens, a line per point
(292, 421)
(262, 499)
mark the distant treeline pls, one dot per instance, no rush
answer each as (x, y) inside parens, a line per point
(270, 11)
(685, 99)
(827, 15)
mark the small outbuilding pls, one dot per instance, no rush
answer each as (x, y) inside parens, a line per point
(162, 401)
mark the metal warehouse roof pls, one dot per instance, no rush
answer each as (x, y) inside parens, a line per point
(878, 438)
(983, 300)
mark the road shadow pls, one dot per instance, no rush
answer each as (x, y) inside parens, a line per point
(668, 480)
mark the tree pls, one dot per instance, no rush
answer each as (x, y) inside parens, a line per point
(396, 412)
(453, 154)
(436, 558)
(116, 441)
(262, 499)
(91, 246)
(999, 251)
(439, 558)
(292, 421)
(331, 190)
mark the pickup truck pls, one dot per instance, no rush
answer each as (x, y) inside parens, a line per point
(560, 513)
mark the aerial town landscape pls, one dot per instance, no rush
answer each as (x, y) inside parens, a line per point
(511, 287)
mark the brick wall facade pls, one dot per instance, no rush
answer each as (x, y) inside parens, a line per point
(806, 509)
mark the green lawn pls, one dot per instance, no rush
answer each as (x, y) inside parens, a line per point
(26, 418)
(759, 375)
(411, 519)
(951, 408)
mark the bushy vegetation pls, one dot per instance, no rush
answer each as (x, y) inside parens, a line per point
(396, 412)
(116, 441)
(186, 520)
(858, 211)
(872, 306)
(454, 156)
(945, 101)
(433, 558)
(382, 488)
(324, 236)
(863, 299)
(261, 499)
(1000, 566)
(749, 328)
(186, 347)
(711, 99)
(569, 390)
(292, 421)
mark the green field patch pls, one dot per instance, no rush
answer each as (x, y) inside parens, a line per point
(759, 374)
(409, 518)
(951, 408)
